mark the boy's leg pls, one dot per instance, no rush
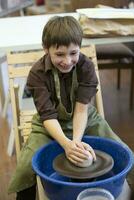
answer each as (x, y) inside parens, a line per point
(97, 126)
(29, 194)
(24, 176)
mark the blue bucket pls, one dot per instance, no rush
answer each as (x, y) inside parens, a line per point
(58, 187)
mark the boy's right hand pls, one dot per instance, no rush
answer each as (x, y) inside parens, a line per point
(75, 151)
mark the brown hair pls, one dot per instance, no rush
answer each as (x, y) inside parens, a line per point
(61, 31)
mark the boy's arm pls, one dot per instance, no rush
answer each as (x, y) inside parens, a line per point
(79, 124)
(79, 120)
(74, 151)
(55, 131)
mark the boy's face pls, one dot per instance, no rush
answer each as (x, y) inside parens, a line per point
(64, 57)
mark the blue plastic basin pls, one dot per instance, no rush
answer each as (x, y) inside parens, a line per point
(58, 187)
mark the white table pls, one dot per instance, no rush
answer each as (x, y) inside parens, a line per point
(24, 33)
(20, 33)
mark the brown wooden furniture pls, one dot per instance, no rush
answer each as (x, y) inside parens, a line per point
(19, 65)
(93, 3)
(50, 6)
(118, 56)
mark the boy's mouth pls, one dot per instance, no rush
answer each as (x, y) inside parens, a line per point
(66, 67)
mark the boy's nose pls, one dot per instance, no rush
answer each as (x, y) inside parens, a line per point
(67, 60)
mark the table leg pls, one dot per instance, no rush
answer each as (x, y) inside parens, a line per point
(2, 94)
(10, 146)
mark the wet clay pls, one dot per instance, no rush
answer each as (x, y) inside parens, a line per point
(87, 162)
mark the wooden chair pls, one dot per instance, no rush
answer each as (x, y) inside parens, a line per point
(19, 67)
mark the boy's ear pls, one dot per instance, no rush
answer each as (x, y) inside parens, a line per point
(46, 50)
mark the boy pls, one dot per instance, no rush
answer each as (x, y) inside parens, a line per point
(62, 84)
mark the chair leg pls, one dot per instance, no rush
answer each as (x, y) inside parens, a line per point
(118, 78)
(10, 146)
(6, 104)
(131, 88)
(41, 192)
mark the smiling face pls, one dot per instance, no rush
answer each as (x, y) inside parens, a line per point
(64, 57)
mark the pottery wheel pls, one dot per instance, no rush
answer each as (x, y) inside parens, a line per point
(103, 164)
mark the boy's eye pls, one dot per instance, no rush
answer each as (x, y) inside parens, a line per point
(60, 54)
(73, 53)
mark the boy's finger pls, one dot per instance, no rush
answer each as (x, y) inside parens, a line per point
(75, 159)
(81, 154)
(90, 149)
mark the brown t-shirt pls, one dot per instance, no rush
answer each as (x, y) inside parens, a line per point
(41, 84)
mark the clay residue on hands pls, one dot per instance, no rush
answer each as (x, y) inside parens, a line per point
(87, 162)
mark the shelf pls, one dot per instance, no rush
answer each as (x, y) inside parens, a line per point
(19, 7)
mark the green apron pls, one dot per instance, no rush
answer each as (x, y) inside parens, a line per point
(24, 177)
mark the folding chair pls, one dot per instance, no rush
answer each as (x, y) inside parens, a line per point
(19, 67)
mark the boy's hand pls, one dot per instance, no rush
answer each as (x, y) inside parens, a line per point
(76, 151)
(90, 149)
